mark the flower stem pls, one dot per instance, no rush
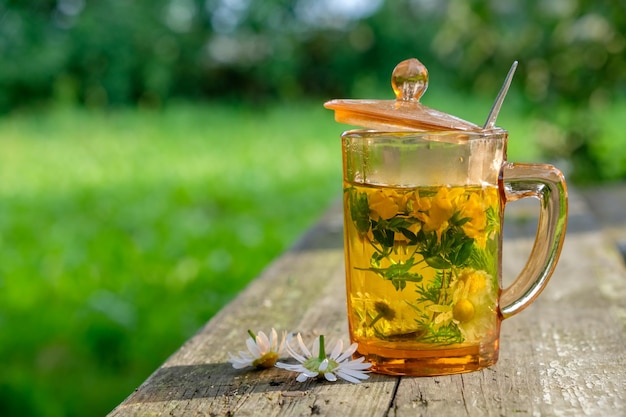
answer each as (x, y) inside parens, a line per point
(442, 293)
(378, 317)
(371, 242)
(322, 354)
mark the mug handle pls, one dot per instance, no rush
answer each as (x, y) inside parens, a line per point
(546, 183)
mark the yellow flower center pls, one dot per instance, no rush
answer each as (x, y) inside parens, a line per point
(384, 310)
(266, 361)
(463, 310)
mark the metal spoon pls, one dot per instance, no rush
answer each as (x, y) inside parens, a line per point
(495, 109)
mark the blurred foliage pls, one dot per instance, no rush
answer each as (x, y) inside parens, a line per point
(116, 51)
(118, 245)
(100, 53)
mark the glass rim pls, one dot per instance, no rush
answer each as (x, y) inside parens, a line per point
(494, 133)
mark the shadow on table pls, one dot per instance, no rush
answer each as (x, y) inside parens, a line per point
(221, 381)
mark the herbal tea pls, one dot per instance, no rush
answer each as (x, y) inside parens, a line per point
(422, 276)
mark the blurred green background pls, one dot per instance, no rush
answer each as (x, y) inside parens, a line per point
(155, 155)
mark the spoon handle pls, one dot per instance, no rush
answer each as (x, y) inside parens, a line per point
(495, 109)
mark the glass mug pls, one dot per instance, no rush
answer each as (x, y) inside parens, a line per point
(423, 218)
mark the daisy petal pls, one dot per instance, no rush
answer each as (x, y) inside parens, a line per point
(288, 366)
(345, 355)
(274, 343)
(263, 342)
(352, 372)
(330, 376)
(337, 350)
(241, 364)
(245, 355)
(357, 366)
(281, 345)
(315, 351)
(350, 378)
(253, 348)
(294, 354)
(303, 347)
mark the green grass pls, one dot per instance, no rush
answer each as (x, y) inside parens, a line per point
(122, 233)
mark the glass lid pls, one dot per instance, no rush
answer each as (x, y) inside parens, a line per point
(409, 82)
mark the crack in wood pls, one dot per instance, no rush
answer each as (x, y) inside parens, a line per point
(392, 399)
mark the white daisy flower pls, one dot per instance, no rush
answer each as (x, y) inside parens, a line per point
(263, 351)
(315, 363)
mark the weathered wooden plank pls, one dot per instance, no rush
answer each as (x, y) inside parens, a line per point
(303, 291)
(564, 355)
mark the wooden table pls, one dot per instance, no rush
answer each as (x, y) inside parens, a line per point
(563, 356)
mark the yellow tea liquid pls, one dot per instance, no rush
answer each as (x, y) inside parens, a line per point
(421, 276)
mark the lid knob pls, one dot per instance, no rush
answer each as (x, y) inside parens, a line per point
(409, 80)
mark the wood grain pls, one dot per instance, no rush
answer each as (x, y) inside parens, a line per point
(563, 356)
